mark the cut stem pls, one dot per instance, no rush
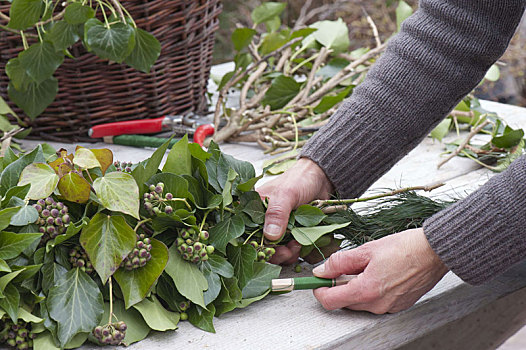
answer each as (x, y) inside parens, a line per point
(321, 203)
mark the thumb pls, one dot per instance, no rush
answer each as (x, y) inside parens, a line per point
(277, 216)
(349, 262)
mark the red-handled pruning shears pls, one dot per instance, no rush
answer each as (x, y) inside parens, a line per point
(189, 123)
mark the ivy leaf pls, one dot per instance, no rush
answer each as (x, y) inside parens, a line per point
(329, 101)
(86, 159)
(156, 316)
(25, 216)
(12, 244)
(10, 302)
(76, 304)
(202, 319)
(41, 60)
(307, 215)
(146, 51)
(76, 13)
(403, 11)
(137, 327)
(242, 258)
(441, 130)
(282, 90)
(266, 11)
(114, 43)
(17, 75)
(251, 204)
(6, 215)
(227, 188)
(52, 273)
(224, 231)
(179, 160)
(272, 42)
(136, 284)
(118, 191)
(63, 35)
(214, 283)
(333, 35)
(24, 13)
(36, 97)
(105, 158)
(509, 139)
(260, 282)
(309, 235)
(11, 174)
(241, 37)
(41, 177)
(188, 279)
(229, 296)
(221, 266)
(17, 191)
(107, 240)
(4, 267)
(74, 188)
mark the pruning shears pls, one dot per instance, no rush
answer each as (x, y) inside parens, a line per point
(189, 123)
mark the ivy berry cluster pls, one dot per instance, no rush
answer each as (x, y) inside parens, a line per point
(111, 334)
(53, 218)
(263, 253)
(140, 255)
(183, 306)
(123, 166)
(16, 335)
(79, 258)
(192, 245)
(155, 201)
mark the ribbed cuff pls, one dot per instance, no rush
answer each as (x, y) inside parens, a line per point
(484, 234)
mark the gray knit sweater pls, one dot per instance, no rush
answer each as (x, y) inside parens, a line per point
(441, 53)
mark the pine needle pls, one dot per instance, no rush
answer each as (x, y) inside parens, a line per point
(387, 216)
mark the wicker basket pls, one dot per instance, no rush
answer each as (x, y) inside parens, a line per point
(91, 91)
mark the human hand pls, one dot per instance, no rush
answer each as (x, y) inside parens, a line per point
(301, 184)
(393, 273)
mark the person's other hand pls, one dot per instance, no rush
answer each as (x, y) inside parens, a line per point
(392, 274)
(301, 184)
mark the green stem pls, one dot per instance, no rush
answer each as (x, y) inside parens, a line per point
(111, 300)
(182, 200)
(319, 203)
(24, 40)
(204, 220)
(140, 223)
(313, 57)
(250, 236)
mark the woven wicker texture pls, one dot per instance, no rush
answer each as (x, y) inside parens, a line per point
(91, 91)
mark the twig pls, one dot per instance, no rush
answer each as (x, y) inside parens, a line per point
(4, 16)
(321, 203)
(324, 52)
(463, 144)
(303, 14)
(336, 79)
(244, 91)
(334, 209)
(373, 27)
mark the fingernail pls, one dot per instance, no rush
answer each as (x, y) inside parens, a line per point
(272, 231)
(319, 269)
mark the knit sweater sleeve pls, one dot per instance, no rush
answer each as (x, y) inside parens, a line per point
(441, 53)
